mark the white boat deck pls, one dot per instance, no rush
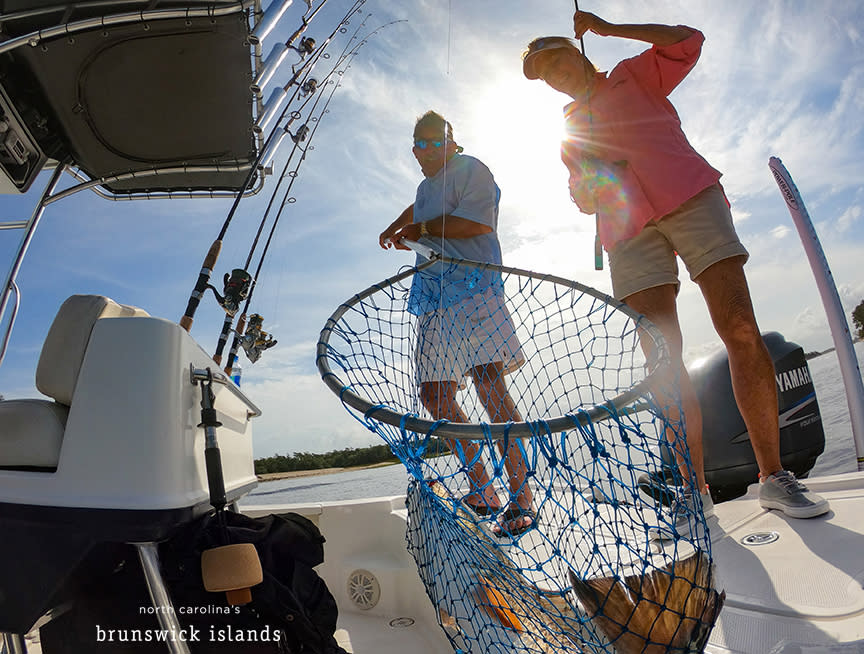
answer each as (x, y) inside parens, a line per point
(801, 591)
(792, 586)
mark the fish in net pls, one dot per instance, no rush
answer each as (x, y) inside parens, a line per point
(525, 408)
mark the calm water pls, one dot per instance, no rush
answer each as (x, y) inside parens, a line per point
(839, 455)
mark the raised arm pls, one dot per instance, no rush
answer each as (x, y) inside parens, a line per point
(448, 226)
(385, 239)
(661, 35)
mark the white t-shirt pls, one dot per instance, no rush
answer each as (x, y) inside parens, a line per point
(464, 188)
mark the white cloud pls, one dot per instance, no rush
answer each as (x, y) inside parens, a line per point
(739, 215)
(763, 86)
(781, 231)
(848, 218)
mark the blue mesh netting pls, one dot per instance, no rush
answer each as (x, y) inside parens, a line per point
(522, 391)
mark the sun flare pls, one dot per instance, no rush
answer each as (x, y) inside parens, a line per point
(516, 128)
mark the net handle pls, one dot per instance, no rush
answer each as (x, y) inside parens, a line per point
(498, 430)
(425, 251)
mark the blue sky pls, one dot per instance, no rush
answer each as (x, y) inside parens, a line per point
(782, 78)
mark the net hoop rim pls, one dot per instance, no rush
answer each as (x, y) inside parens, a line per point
(498, 430)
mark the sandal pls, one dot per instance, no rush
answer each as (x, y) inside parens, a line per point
(511, 515)
(482, 510)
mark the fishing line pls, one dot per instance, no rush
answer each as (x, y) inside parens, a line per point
(304, 65)
(296, 114)
(446, 141)
(345, 60)
(213, 253)
(449, 32)
(240, 283)
(598, 246)
(239, 332)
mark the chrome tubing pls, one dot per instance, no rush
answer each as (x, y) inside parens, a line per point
(12, 318)
(271, 64)
(269, 109)
(93, 184)
(32, 224)
(35, 38)
(168, 621)
(218, 377)
(270, 152)
(268, 21)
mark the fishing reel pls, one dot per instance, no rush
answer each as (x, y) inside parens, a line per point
(236, 290)
(302, 133)
(307, 45)
(255, 340)
(309, 87)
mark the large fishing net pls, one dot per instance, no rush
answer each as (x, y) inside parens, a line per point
(528, 409)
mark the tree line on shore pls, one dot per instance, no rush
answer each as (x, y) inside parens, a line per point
(858, 319)
(364, 456)
(346, 458)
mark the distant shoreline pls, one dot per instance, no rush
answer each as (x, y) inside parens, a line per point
(274, 476)
(816, 353)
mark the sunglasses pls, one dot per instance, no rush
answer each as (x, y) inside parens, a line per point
(540, 44)
(550, 43)
(422, 144)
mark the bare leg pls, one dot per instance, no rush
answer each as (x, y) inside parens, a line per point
(724, 287)
(439, 398)
(658, 305)
(492, 391)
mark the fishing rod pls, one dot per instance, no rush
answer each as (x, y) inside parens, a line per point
(239, 285)
(598, 246)
(310, 85)
(239, 282)
(253, 340)
(259, 339)
(212, 256)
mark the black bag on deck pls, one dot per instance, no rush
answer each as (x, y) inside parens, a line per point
(292, 611)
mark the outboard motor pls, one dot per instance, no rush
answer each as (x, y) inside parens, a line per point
(730, 465)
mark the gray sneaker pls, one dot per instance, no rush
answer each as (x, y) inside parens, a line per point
(782, 491)
(682, 513)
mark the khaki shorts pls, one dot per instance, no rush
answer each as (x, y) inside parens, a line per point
(700, 231)
(475, 332)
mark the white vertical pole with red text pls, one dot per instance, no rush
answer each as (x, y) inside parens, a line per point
(831, 300)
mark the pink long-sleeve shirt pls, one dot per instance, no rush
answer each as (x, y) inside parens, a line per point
(625, 148)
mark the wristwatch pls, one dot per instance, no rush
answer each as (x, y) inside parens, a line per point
(424, 230)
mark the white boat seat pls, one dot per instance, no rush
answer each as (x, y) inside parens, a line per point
(32, 434)
(114, 454)
(33, 429)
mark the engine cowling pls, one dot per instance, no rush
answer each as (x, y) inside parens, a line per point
(730, 465)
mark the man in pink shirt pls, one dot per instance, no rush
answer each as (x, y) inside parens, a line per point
(655, 197)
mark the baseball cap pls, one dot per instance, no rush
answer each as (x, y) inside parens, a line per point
(539, 45)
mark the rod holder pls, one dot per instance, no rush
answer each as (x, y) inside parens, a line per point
(269, 20)
(271, 64)
(270, 152)
(270, 108)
